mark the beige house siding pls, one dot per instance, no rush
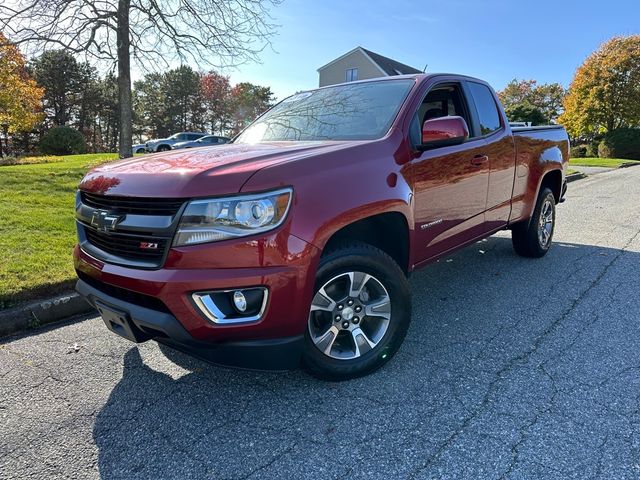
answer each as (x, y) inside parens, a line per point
(336, 72)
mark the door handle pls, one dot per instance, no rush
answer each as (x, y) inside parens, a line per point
(479, 160)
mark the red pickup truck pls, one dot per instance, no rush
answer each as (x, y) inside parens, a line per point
(293, 243)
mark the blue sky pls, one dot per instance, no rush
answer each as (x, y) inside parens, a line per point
(496, 40)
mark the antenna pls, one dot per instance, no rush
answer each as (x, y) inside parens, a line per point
(425, 68)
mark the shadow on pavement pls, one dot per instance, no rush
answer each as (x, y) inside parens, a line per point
(496, 343)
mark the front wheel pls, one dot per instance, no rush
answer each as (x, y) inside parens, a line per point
(359, 314)
(534, 239)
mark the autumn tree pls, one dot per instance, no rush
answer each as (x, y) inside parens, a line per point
(248, 102)
(20, 97)
(605, 92)
(216, 96)
(528, 95)
(154, 33)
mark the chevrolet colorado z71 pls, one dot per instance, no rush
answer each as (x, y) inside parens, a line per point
(292, 244)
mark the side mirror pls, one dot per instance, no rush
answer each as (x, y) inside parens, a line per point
(443, 131)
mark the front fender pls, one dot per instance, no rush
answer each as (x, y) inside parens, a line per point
(334, 190)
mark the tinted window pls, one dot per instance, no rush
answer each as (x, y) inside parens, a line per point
(486, 106)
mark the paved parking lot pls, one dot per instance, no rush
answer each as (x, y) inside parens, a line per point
(512, 368)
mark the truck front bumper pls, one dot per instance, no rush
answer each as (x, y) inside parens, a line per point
(139, 324)
(158, 304)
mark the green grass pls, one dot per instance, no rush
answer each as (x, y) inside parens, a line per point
(600, 162)
(37, 226)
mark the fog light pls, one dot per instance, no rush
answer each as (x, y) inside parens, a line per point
(232, 306)
(240, 301)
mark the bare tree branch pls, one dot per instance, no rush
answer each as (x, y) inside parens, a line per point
(212, 33)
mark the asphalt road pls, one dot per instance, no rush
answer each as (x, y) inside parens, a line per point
(512, 368)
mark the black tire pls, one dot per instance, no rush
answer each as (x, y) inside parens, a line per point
(141, 150)
(163, 148)
(525, 236)
(361, 258)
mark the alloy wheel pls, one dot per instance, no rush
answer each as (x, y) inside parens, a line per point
(545, 225)
(349, 315)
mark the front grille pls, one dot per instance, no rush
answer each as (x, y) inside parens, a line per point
(127, 246)
(132, 205)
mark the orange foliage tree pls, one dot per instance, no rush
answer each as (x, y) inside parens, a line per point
(605, 92)
(20, 97)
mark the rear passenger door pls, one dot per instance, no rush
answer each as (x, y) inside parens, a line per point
(500, 150)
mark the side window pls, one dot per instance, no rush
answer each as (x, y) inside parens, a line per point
(352, 74)
(486, 107)
(441, 101)
(182, 137)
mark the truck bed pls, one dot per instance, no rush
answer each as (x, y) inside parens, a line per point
(525, 130)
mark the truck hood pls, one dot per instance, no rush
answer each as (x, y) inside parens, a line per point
(197, 172)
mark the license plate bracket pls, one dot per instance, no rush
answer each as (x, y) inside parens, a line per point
(119, 322)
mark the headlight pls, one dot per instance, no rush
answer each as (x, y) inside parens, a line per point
(222, 218)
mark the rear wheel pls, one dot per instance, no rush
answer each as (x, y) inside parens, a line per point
(163, 148)
(534, 239)
(359, 314)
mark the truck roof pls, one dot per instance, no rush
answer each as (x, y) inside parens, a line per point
(407, 76)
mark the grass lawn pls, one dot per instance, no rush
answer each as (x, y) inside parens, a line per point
(600, 162)
(37, 225)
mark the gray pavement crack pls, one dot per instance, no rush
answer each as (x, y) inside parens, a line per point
(518, 359)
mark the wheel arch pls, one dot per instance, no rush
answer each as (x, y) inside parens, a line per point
(388, 231)
(553, 180)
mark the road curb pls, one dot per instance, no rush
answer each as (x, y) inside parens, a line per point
(575, 176)
(629, 164)
(42, 312)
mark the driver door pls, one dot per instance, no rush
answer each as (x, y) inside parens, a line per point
(450, 183)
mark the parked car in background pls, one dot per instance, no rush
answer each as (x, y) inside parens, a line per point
(209, 140)
(139, 148)
(293, 242)
(164, 144)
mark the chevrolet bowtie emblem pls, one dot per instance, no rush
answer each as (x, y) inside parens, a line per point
(105, 221)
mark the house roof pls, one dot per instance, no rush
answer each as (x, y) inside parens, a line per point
(386, 65)
(389, 65)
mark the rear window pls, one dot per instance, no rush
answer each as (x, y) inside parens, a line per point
(486, 107)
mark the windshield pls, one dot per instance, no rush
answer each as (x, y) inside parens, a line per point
(359, 111)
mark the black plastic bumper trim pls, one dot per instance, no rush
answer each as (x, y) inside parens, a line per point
(139, 324)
